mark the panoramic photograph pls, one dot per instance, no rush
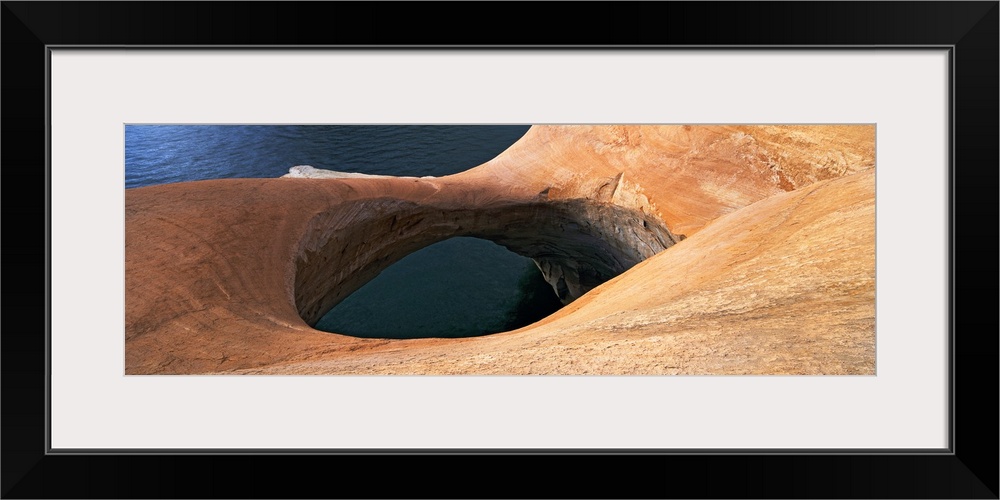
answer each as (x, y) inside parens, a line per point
(499, 249)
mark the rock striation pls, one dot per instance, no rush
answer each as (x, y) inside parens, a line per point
(680, 249)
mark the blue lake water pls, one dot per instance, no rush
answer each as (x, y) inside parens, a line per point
(456, 288)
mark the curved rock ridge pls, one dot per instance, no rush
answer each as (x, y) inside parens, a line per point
(729, 249)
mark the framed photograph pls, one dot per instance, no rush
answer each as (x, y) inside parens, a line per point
(711, 254)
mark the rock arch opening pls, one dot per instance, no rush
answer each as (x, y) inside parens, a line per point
(459, 287)
(577, 244)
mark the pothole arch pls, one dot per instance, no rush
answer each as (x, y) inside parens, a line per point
(577, 244)
(456, 288)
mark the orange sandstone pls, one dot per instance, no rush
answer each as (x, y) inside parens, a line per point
(737, 250)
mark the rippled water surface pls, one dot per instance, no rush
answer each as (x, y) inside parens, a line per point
(157, 154)
(455, 288)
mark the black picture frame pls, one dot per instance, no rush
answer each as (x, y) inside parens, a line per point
(968, 29)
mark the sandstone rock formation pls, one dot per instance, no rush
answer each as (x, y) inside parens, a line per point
(681, 249)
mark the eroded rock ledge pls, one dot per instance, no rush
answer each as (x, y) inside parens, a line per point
(227, 275)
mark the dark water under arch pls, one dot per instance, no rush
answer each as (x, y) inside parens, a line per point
(430, 293)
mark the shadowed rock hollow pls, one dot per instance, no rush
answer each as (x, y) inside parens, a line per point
(577, 244)
(683, 249)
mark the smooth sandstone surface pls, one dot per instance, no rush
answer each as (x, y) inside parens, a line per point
(679, 249)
